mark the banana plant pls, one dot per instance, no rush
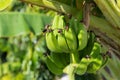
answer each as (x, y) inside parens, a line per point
(110, 19)
(95, 20)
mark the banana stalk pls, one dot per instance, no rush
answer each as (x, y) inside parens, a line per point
(74, 57)
(109, 10)
(69, 70)
(114, 6)
(118, 3)
(71, 75)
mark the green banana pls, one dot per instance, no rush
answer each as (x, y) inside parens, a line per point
(74, 23)
(64, 39)
(71, 39)
(67, 38)
(82, 36)
(56, 38)
(55, 24)
(95, 64)
(80, 32)
(66, 58)
(87, 50)
(79, 68)
(62, 43)
(52, 42)
(59, 59)
(96, 59)
(52, 66)
(96, 50)
(92, 63)
(51, 36)
(82, 66)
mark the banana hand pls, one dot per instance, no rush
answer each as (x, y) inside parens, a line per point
(59, 59)
(52, 66)
(82, 66)
(82, 36)
(96, 59)
(95, 64)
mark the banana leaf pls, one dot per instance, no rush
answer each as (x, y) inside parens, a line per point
(14, 23)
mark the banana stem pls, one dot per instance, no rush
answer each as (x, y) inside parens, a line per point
(74, 57)
(53, 5)
(71, 75)
(109, 10)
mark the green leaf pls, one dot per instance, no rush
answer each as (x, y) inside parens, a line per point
(13, 23)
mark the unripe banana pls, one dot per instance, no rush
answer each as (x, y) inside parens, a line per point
(62, 43)
(51, 34)
(52, 42)
(92, 62)
(81, 33)
(66, 38)
(87, 50)
(74, 23)
(95, 65)
(59, 59)
(60, 39)
(66, 58)
(81, 67)
(96, 59)
(61, 35)
(55, 24)
(95, 50)
(52, 66)
(71, 39)
(82, 36)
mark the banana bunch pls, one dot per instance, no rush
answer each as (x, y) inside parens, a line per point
(66, 38)
(72, 48)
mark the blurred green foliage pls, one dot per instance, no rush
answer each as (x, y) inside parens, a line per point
(22, 58)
